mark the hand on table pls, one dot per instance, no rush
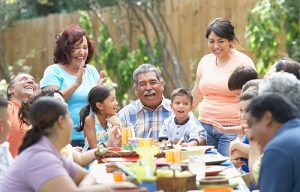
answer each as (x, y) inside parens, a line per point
(235, 158)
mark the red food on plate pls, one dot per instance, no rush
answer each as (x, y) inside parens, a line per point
(115, 149)
(109, 153)
(120, 159)
(214, 170)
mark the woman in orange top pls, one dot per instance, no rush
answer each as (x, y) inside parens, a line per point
(219, 104)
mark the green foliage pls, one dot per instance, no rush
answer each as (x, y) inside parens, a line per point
(270, 22)
(3, 87)
(8, 12)
(35, 8)
(119, 62)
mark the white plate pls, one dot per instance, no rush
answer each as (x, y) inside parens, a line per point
(214, 159)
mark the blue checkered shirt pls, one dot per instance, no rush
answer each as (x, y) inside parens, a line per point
(145, 121)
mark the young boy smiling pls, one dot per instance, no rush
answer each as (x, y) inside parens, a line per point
(183, 126)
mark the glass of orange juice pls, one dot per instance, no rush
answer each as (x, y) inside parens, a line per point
(118, 176)
(177, 155)
(124, 136)
(170, 155)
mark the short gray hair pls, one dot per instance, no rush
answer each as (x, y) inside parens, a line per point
(145, 68)
(282, 83)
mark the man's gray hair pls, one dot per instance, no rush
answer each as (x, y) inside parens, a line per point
(282, 83)
(145, 68)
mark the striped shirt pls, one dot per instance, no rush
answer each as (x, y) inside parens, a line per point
(145, 121)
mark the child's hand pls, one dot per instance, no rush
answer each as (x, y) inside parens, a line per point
(215, 124)
(114, 120)
(238, 162)
(114, 137)
(184, 144)
(233, 145)
(235, 157)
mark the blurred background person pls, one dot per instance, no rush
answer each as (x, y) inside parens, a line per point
(21, 88)
(286, 65)
(275, 124)
(72, 153)
(39, 166)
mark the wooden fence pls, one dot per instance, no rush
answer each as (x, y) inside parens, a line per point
(33, 40)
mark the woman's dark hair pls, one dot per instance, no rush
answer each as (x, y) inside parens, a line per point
(240, 76)
(43, 113)
(96, 94)
(222, 28)
(281, 108)
(26, 105)
(288, 65)
(65, 43)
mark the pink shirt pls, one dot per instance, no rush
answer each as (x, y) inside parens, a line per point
(219, 104)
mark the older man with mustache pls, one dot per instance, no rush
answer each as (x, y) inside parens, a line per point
(148, 113)
(19, 89)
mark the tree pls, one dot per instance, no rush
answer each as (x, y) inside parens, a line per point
(271, 23)
(139, 14)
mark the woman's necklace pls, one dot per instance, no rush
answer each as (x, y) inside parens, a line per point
(220, 64)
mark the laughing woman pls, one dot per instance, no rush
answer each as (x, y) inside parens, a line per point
(219, 104)
(39, 166)
(71, 73)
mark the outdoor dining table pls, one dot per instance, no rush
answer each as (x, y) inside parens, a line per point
(233, 174)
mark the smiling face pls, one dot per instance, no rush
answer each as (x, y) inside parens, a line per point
(109, 106)
(22, 87)
(181, 106)
(220, 47)
(149, 89)
(243, 115)
(79, 53)
(261, 130)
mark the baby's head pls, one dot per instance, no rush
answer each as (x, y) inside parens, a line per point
(4, 120)
(181, 102)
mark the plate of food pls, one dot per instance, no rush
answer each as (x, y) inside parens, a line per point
(214, 159)
(120, 159)
(214, 170)
(216, 181)
(108, 155)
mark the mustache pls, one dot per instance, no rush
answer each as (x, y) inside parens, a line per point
(149, 92)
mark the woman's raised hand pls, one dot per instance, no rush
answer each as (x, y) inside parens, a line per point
(102, 78)
(79, 76)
